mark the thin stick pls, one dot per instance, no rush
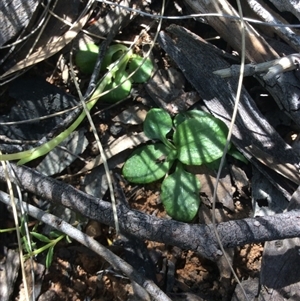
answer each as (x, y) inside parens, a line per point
(12, 202)
(235, 110)
(191, 16)
(99, 144)
(91, 88)
(92, 244)
(270, 68)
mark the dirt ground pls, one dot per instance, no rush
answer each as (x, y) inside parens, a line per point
(78, 274)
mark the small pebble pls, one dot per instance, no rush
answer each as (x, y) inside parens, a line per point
(219, 253)
(257, 223)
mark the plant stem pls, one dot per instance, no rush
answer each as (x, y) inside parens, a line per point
(45, 247)
(39, 151)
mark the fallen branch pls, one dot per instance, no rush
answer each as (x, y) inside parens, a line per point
(199, 238)
(270, 69)
(117, 262)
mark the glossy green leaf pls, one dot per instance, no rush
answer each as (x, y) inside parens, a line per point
(49, 257)
(237, 155)
(181, 117)
(120, 92)
(40, 237)
(113, 53)
(148, 164)
(180, 195)
(214, 165)
(144, 72)
(55, 234)
(86, 58)
(23, 225)
(25, 244)
(200, 140)
(157, 125)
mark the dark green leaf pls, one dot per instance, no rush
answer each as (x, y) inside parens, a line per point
(237, 155)
(40, 237)
(120, 92)
(147, 164)
(113, 53)
(157, 125)
(180, 195)
(144, 72)
(214, 165)
(85, 59)
(181, 117)
(55, 233)
(26, 247)
(24, 220)
(200, 140)
(49, 257)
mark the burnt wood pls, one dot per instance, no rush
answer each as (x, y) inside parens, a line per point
(252, 134)
(15, 15)
(197, 237)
